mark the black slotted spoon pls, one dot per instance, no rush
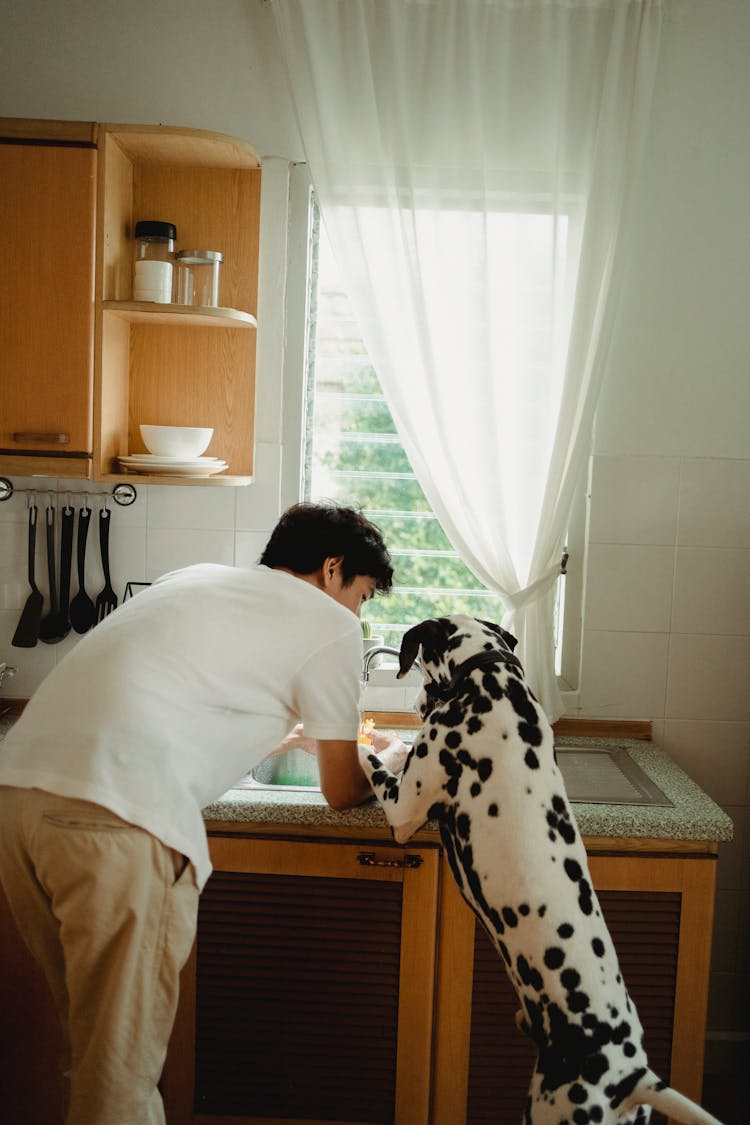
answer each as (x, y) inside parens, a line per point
(27, 630)
(82, 609)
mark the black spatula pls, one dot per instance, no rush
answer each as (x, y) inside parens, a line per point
(48, 625)
(27, 630)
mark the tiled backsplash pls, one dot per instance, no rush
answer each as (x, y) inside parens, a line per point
(166, 528)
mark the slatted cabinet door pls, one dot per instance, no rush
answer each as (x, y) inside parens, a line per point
(310, 996)
(659, 909)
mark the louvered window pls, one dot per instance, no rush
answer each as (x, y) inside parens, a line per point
(353, 455)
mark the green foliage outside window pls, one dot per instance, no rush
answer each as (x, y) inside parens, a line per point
(355, 457)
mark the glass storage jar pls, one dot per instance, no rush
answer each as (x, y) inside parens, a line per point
(153, 256)
(197, 279)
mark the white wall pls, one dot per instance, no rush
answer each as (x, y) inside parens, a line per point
(667, 612)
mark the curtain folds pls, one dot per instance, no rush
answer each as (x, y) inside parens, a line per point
(472, 161)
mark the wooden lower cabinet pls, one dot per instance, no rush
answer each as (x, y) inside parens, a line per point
(659, 908)
(310, 994)
(346, 981)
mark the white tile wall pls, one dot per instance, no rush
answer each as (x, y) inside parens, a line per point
(166, 528)
(667, 638)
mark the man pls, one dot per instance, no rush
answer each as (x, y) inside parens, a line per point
(152, 716)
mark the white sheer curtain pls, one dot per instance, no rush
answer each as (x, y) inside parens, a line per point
(472, 159)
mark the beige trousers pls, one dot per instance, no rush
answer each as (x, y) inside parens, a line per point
(110, 914)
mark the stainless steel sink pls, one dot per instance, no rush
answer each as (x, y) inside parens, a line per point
(604, 776)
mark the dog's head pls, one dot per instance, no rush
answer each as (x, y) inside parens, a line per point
(446, 643)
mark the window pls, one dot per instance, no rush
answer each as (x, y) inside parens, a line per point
(353, 455)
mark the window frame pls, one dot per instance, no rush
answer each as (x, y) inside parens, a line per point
(295, 390)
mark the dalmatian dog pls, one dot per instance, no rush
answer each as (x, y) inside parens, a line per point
(483, 766)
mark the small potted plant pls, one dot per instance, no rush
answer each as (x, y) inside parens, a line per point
(369, 640)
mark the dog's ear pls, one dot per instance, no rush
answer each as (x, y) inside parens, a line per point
(428, 634)
(503, 634)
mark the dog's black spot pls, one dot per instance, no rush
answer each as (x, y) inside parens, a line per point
(481, 705)
(553, 957)
(421, 750)
(542, 911)
(531, 977)
(379, 777)
(629, 1049)
(530, 734)
(509, 916)
(531, 759)
(463, 825)
(578, 1001)
(570, 979)
(581, 1117)
(578, 1094)
(621, 1032)
(524, 909)
(453, 740)
(476, 789)
(558, 804)
(433, 733)
(621, 1090)
(435, 812)
(596, 1113)
(474, 724)
(565, 930)
(594, 1067)
(573, 870)
(484, 768)
(492, 810)
(598, 946)
(418, 782)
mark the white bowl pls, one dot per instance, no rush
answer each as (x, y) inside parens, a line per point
(176, 441)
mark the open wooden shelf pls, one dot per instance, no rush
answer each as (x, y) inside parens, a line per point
(147, 312)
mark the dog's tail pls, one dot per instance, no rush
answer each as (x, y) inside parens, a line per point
(652, 1091)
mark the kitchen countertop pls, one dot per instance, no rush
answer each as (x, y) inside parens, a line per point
(694, 816)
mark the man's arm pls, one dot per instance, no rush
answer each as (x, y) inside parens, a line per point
(342, 780)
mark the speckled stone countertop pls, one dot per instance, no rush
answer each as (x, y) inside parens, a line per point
(694, 816)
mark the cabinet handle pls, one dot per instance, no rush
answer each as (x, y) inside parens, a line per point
(49, 438)
(367, 859)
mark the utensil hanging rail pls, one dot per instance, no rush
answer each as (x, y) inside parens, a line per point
(122, 494)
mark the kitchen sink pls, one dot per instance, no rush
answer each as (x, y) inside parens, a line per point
(594, 775)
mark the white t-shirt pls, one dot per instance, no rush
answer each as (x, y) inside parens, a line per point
(175, 696)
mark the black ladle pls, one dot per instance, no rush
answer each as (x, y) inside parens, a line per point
(27, 630)
(56, 625)
(82, 609)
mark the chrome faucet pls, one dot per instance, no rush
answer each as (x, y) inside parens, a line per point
(375, 651)
(6, 671)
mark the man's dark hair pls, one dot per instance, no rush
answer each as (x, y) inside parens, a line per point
(308, 534)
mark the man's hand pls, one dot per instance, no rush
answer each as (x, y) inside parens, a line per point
(296, 740)
(390, 749)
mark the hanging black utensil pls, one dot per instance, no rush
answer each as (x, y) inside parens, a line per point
(56, 626)
(48, 624)
(107, 600)
(82, 609)
(27, 630)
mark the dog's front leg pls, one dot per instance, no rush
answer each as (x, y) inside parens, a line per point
(406, 798)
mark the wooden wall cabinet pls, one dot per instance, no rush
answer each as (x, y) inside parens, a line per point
(47, 311)
(80, 358)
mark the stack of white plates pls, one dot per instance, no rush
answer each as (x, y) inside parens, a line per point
(172, 466)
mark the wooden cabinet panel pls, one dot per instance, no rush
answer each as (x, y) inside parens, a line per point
(311, 995)
(47, 214)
